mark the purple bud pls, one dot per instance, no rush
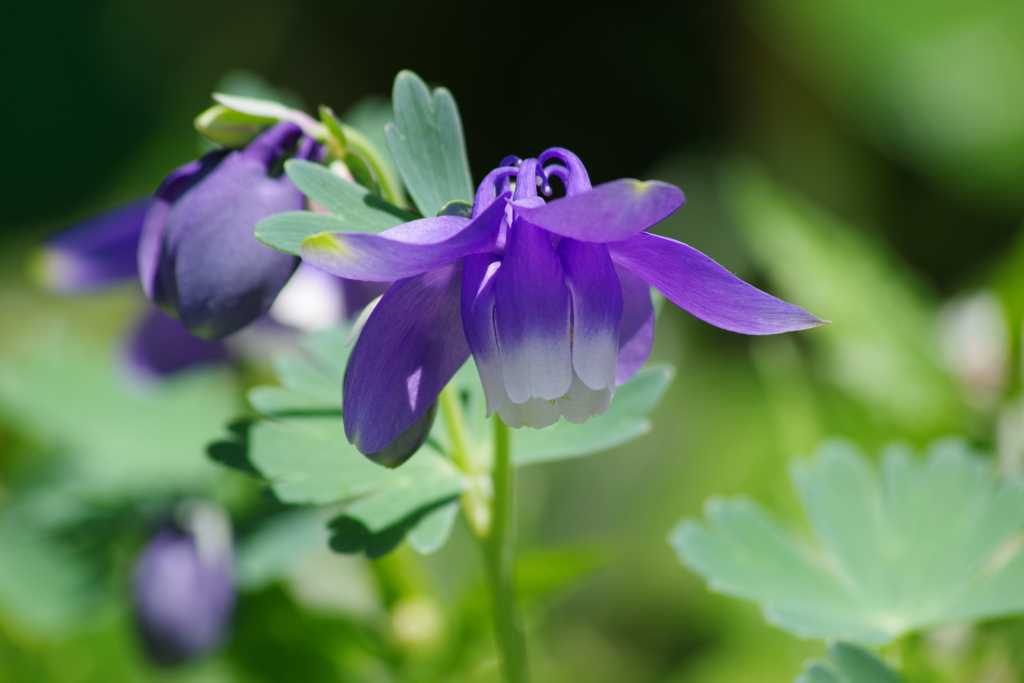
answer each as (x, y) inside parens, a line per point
(184, 589)
(198, 257)
(160, 346)
(93, 254)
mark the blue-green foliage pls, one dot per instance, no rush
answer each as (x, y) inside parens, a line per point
(919, 544)
(113, 446)
(427, 145)
(301, 449)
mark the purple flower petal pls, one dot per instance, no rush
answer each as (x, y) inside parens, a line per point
(573, 174)
(408, 442)
(607, 213)
(151, 241)
(406, 250)
(479, 274)
(532, 317)
(212, 271)
(162, 346)
(636, 332)
(596, 311)
(357, 295)
(698, 285)
(95, 253)
(411, 346)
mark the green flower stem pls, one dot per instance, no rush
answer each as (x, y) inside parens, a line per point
(499, 558)
(361, 145)
(455, 425)
(476, 497)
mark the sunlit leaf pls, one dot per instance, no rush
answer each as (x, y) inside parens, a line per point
(267, 554)
(268, 109)
(431, 532)
(369, 116)
(302, 451)
(427, 145)
(285, 231)
(923, 543)
(353, 209)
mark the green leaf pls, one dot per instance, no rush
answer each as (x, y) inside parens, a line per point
(625, 420)
(860, 666)
(852, 665)
(816, 672)
(364, 211)
(305, 456)
(365, 132)
(427, 526)
(335, 136)
(45, 587)
(427, 144)
(267, 109)
(285, 231)
(230, 128)
(432, 532)
(329, 351)
(118, 441)
(306, 390)
(309, 386)
(268, 553)
(421, 483)
(233, 451)
(921, 544)
(353, 209)
(309, 461)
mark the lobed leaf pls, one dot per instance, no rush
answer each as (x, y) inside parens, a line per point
(302, 451)
(920, 544)
(427, 144)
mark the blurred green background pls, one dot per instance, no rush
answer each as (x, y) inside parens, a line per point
(861, 158)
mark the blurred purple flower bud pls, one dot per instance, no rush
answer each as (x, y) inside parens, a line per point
(198, 258)
(161, 346)
(184, 589)
(93, 254)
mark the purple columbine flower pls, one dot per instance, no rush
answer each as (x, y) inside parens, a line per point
(184, 590)
(551, 299)
(198, 258)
